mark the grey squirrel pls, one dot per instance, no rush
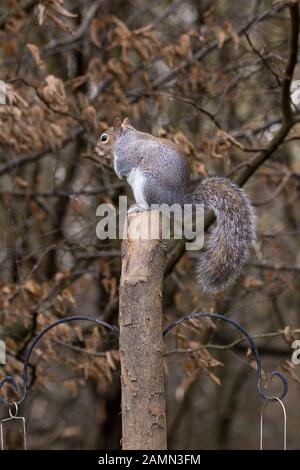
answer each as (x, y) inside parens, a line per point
(157, 172)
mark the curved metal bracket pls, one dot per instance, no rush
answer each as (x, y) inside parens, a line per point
(9, 379)
(253, 348)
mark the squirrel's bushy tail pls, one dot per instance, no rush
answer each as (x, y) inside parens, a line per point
(230, 241)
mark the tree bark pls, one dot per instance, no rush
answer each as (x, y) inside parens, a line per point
(141, 341)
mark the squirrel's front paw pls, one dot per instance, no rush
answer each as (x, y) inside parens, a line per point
(135, 208)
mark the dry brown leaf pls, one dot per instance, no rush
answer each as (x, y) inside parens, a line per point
(289, 367)
(35, 52)
(228, 137)
(33, 287)
(287, 334)
(252, 282)
(14, 23)
(200, 169)
(233, 34)
(57, 5)
(71, 431)
(53, 92)
(61, 24)
(61, 276)
(41, 13)
(221, 37)
(90, 116)
(68, 297)
(10, 344)
(6, 290)
(214, 378)
(78, 206)
(71, 387)
(21, 182)
(110, 360)
(13, 97)
(78, 81)
(95, 26)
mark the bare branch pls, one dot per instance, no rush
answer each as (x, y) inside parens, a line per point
(287, 123)
(89, 15)
(201, 53)
(287, 112)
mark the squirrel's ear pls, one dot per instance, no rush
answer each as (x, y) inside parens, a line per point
(126, 122)
(117, 124)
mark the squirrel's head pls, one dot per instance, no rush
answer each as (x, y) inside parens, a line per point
(105, 143)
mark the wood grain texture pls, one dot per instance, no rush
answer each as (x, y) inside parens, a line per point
(141, 342)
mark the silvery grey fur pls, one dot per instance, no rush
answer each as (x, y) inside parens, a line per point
(165, 173)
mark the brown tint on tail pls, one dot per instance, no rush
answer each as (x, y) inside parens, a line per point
(229, 243)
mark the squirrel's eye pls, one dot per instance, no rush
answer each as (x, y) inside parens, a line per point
(104, 138)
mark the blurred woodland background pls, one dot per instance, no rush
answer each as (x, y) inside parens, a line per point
(209, 75)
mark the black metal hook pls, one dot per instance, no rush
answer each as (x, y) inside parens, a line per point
(253, 348)
(9, 379)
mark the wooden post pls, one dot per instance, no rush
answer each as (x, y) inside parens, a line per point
(141, 342)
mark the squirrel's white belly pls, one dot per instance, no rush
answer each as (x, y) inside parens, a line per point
(136, 180)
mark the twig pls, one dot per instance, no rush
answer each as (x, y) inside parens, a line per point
(275, 193)
(48, 105)
(62, 194)
(27, 6)
(274, 267)
(78, 349)
(200, 53)
(262, 58)
(287, 112)
(288, 120)
(89, 15)
(24, 159)
(231, 344)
